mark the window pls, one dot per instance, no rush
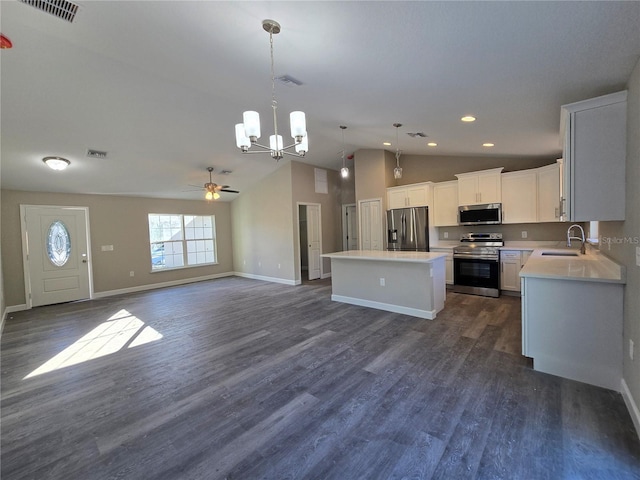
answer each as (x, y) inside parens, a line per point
(179, 241)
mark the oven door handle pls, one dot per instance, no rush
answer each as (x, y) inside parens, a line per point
(474, 256)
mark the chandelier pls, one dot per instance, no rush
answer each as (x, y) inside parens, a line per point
(397, 172)
(248, 132)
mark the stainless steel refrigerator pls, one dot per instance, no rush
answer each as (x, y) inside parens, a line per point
(408, 229)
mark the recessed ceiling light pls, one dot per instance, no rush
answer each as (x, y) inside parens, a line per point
(56, 163)
(387, 144)
(468, 118)
(432, 144)
(488, 145)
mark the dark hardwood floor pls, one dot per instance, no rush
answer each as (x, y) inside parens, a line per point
(242, 379)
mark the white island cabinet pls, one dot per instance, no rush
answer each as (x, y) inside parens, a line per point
(412, 283)
(572, 317)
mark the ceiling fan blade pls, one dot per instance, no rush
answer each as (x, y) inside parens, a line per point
(197, 186)
(230, 191)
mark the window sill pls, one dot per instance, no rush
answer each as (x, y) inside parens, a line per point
(186, 267)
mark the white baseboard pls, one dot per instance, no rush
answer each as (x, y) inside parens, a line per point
(153, 286)
(388, 307)
(631, 406)
(265, 278)
(326, 275)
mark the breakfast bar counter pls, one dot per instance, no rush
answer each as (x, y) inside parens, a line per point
(412, 283)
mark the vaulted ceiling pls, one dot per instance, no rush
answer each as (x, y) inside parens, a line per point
(159, 85)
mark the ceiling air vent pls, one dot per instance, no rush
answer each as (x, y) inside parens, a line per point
(58, 8)
(417, 134)
(289, 81)
(96, 154)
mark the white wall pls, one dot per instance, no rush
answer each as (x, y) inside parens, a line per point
(620, 239)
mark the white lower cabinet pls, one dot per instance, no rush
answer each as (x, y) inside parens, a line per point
(573, 329)
(511, 261)
(448, 263)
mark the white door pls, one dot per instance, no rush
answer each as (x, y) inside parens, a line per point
(55, 242)
(313, 239)
(371, 224)
(350, 228)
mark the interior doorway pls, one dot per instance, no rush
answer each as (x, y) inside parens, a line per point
(310, 241)
(349, 227)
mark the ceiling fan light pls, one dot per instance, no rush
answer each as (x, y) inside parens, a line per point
(216, 195)
(56, 163)
(251, 122)
(209, 196)
(242, 141)
(344, 171)
(298, 124)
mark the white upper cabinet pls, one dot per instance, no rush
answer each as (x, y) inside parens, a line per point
(415, 195)
(445, 203)
(594, 135)
(520, 196)
(479, 187)
(549, 201)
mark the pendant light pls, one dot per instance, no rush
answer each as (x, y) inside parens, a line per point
(344, 171)
(397, 172)
(248, 132)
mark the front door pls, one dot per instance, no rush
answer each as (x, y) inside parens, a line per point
(55, 242)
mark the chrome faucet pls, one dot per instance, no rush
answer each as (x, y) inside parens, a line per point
(583, 249)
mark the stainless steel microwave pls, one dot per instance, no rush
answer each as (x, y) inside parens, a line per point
(485, 214)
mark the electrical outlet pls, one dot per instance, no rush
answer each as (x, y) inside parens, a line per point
(445, 234)
(631, 349)
(382, 281)
(278, 266)
(259, 264)
(131, 273)
(524, 234)
(107, 248)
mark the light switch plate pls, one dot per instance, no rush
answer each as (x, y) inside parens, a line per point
(638, 256)
(524, 234)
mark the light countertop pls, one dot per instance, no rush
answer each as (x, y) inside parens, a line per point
(592, 267)
(387, 256)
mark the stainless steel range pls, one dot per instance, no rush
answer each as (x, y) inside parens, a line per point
(476, 264)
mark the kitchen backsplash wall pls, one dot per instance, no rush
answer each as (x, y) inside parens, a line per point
(513, 232)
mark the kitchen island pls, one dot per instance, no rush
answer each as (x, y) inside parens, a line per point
(412, 283)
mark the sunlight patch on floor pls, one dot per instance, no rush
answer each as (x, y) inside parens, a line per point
(121, 330)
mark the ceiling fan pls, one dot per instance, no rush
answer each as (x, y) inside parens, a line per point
(212, 189)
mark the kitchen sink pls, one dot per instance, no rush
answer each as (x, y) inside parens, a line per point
(560, 254)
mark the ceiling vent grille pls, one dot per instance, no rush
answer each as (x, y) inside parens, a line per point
(417, 134)
(289, 81)
(96, 154)
(58, 8)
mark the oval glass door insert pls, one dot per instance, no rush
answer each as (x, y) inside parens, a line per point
(58, 244)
